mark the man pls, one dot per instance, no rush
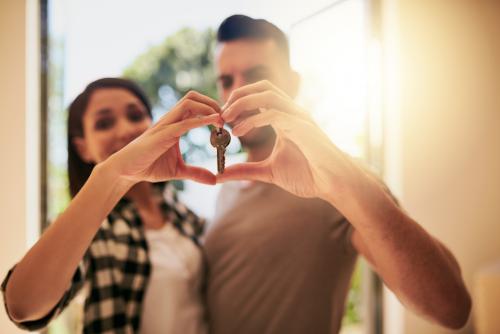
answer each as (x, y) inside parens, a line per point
(283, 245)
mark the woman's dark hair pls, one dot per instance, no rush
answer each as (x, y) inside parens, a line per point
(78, 170)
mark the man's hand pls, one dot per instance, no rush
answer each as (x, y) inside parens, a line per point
(417, 268)
(304, 161)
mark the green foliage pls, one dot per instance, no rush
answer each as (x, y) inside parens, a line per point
(352, 313)
(57, 175)
(58, 194)
(184, 61)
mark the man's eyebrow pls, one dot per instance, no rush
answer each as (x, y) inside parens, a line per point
(258, 68)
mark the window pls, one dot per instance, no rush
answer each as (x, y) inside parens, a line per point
(330, 48)
(335, 52)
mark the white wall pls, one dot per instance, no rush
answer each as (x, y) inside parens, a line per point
(445, 159)
(18, 133)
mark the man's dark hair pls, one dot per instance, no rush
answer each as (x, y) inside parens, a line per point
(241, 26)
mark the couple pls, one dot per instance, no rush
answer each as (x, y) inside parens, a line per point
(281, 251)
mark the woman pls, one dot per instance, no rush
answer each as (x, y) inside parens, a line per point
(124, 239)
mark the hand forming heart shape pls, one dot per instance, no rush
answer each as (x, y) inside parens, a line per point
(303, 161)
(155, 155)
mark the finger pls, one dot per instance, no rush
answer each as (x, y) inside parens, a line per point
(179, 128)
(253, 88)
(253, 171)
(263, 100)
(302, 133)
(262, 119)
(275, 118)
(196, 174)
(196, 96)
(187, 108)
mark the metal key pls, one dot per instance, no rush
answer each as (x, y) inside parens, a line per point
(220, 138)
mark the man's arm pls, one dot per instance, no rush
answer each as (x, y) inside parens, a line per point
(416, 267)
(411, 293)
(420, 271)
(421, 247)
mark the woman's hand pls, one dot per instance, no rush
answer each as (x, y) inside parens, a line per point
(155, 155)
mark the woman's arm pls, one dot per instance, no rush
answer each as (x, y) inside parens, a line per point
(43, 275)
(40, 279)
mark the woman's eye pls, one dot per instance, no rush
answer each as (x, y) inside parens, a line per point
(136, 116)
(104, 123)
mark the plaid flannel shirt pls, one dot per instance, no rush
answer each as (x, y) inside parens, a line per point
(116, 267)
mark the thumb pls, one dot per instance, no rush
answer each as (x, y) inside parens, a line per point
(196, 174)
(252, 171)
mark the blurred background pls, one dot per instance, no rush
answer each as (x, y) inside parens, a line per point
(410, 87)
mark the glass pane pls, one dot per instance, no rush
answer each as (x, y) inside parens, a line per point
(329, 50)
(89, 39)
(332, 52)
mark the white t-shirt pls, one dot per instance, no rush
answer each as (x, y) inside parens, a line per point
(172, 302)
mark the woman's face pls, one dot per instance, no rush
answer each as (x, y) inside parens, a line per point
(113, 118)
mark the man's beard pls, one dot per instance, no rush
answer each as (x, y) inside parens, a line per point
(258, 137)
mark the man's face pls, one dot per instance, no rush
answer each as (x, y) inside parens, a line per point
(245, 61)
